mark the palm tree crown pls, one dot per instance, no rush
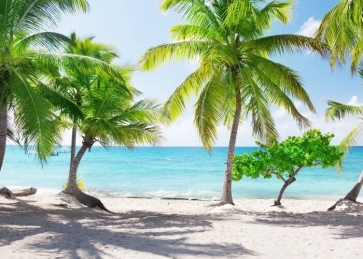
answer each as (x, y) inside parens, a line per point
(235, 78)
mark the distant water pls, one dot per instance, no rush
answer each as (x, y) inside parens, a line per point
(175, 172)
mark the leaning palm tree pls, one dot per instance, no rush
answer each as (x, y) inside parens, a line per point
(235, 79)
(341, 28)
(111, 118)
(75, 81)
(339, 111)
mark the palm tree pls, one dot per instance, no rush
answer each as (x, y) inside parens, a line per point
(339, 111)
(25, 55)
(110, 117)
(76, 81)
(341, 28)
(235, 78)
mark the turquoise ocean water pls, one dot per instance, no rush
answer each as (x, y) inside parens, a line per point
(173, 172)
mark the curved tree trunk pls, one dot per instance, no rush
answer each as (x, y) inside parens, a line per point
(286, 184)
(3, 130)
(278, 201)
(82, 197)
(227, 183)
(353, 194)
(68, 189)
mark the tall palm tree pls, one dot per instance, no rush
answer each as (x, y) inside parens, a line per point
(235, 78)
(111, 118)
(341, 28)
(25, 47)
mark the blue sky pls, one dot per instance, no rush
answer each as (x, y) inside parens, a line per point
(134, 26)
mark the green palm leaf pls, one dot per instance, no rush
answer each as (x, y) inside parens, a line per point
(34, 119)
(209, 112)
(279, 44)
(154, 57)
(341, 29)
(341, 111)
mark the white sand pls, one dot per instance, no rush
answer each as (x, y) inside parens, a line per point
(153, 228)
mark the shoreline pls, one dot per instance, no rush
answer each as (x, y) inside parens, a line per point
(169, 228)
(103, 194)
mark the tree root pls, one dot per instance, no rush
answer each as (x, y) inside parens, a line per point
(276, 203)
(221, 203)
(340, 200)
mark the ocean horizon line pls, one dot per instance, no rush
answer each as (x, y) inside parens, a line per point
(150, 146)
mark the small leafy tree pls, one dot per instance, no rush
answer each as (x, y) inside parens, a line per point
(286, 159)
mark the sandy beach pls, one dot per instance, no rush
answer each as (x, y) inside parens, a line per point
(161, 228)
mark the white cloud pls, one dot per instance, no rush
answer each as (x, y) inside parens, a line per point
(309, 27)
(354, 101)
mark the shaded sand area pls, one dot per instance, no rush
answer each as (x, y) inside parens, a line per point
(154, 228)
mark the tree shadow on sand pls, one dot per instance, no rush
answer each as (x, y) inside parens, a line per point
(345, 225)
(89, 233)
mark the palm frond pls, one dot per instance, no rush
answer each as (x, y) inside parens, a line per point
(338, 111)
(176, 103)
(180, 51)
(60, 101)
(277, 10)
(257, 105)
(34, 119)
(84, 63)
(49, 41)
(271, 75)
(188, 32)
(341, 30)
(203, 18)
(352, 138)
(33, 15)
(290, 43)
(208, 111)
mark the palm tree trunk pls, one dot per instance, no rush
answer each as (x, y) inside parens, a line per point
(68, 189)
(353, 194)
(227, 183)
(73, 172)
(82, 197)
(3, 131)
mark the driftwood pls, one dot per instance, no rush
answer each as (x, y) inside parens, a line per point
(26, 192)
(5, 192)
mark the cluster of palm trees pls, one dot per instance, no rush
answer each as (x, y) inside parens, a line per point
(49, 82)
